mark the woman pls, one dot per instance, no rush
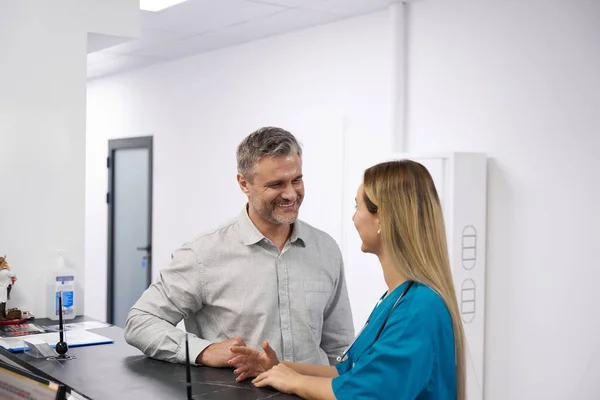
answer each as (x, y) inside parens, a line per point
(412, 346)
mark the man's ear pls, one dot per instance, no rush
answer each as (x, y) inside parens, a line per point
(243, 184)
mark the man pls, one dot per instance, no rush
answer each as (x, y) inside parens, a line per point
(264, 275)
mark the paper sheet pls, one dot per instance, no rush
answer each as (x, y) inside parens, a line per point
(73, 338)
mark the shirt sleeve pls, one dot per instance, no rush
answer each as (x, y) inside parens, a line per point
(398, 365)
(177, 294)
(338, 327)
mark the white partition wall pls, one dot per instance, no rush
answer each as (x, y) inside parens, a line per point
(460, 179)
(43, 136)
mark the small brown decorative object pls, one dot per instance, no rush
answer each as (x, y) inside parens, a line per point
(13, 313)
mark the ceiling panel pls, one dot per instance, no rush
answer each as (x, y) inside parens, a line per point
(97, 42)
(349, 7)
(198, 26)
(148, 38)
(294, 3)
(285, 21)
(353, 7)
(188, 46)
(341, 7)
(199, 16)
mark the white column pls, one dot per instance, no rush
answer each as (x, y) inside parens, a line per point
(398, 74)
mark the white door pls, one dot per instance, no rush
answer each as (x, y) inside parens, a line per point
(130, 224)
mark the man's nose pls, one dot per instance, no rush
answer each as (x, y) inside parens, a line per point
(289, 192)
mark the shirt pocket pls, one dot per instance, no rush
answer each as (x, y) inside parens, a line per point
(316, 296)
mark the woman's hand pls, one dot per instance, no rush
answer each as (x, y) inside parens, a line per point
(250, 363)
(280, 377)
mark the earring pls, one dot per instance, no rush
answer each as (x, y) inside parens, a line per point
(378, 231)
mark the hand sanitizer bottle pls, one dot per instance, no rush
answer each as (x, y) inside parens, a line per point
(61, 280)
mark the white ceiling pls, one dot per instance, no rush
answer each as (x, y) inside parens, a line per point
(197, 26)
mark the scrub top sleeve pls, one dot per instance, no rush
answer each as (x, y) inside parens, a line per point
(343, 366)
(398, 366)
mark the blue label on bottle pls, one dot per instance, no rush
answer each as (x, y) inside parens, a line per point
(67, 301)
(65, 278)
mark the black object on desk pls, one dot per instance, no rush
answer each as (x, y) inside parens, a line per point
(61, 347)
(120, 371)
(188, 374)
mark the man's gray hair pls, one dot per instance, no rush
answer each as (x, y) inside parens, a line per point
(265, 142)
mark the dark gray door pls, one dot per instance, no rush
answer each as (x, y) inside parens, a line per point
(129, 224)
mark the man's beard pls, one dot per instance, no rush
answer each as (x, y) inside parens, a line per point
(268, 212)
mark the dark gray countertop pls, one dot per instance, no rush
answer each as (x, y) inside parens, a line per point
(120, 371)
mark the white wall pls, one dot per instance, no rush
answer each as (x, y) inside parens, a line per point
(42, 144)
(515, 79)
(520, 81)
(42, 136)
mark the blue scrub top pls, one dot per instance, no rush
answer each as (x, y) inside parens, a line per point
(413, 357)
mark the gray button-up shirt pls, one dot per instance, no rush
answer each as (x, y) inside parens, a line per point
(234, 282)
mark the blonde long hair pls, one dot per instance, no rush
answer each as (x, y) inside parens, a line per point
(403, 195)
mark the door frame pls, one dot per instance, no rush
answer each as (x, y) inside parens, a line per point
(113, 145)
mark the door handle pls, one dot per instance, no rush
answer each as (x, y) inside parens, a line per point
(145, 248)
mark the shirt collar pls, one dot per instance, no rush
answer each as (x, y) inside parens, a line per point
(251, 235)
(298, 235)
